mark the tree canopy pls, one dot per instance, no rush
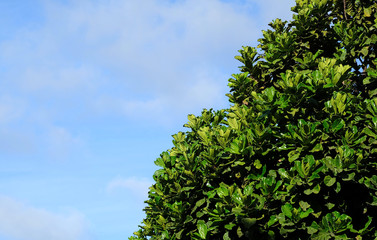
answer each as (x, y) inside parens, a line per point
(294, 157)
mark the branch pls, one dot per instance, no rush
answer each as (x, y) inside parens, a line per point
(345, 9)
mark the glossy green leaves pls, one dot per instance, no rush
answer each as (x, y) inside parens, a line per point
(295, 155)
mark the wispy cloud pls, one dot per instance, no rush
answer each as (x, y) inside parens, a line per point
(13, 140)
(60, 80)
(16, 142)
(203, 91)
(153, 52)
(139, 187)
(10, 109)
(128, 58)
(23, 222)
(61, 143)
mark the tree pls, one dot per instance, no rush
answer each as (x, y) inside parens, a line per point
(294, 157)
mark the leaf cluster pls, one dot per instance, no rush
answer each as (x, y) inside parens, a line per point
(294, 157)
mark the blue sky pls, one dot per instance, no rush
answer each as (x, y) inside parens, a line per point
(91, 92)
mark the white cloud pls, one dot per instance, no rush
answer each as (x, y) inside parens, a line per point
(23, 133)
(180, 99)
(206, 91)
(140, 55)
(139, 187)
(60, 79)
(61, 143)
(146, 50)
(23, 222)
(147, 60)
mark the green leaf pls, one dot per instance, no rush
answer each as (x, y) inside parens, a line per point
(237, 197)
(202, 228)
(287, 210)
(283, 173)
(308, 191)
(226, 236)
(311, 230)
(239, 232)
(325, 125)
(306, 213)
(211, 194)
(337, 125)
(179, 137)
(203, 134)
(200, 202)
(230, 226)
(234, 148)
(161, 220)
(293, 155)
(338, 187)
(179, 234)
(370, 133)
(304, 205)
(329, 181)
(233, 123)
(317, 148)
(222, 191)
(273, 220)
(249, 189)
(159, 162)
(350, 176)
(257, 164)
(316, 189)
(270, 93)
(271, 234)
(189, 218)
(364, 51)
(193, 122)
(360, 140)
(367, 12)
(330, 205)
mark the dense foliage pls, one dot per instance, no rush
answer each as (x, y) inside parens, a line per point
(294, 157)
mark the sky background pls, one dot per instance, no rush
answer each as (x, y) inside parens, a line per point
(91, 92)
